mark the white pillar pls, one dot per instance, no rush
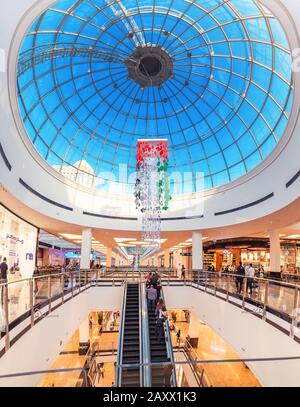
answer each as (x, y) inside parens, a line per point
(84, 337)
(274, 251)
(167, 258)
(197, 251)
(86, 248)
(108, 256)
(194, 325)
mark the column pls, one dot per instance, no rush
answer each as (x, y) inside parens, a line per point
(193, 331)
(84, 337)
(108, 256)
(86, 248)
(167, 258)
(274, 251)
(197, 251)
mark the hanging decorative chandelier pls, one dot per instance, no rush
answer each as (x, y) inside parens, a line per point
(152, 193)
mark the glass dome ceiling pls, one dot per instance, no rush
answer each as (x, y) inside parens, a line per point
(213, 77)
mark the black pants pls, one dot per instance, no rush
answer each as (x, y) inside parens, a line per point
(239, 284)
(3, 281)
(249, 284)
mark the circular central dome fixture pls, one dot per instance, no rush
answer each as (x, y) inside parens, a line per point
(150, 66)
(212, 77)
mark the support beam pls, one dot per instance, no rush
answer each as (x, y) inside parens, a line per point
(167, 258)
(108, 256)
(86, 248)
(274, 251)
(197, 251)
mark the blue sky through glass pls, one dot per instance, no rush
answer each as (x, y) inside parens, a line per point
(223, 109)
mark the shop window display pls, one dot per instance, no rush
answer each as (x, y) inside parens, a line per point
(18, 243)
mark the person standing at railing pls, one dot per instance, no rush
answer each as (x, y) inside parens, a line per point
(3, 270)
(239, 279)
(182, 272)
(151, 295)
(261, 271)
(250, 273)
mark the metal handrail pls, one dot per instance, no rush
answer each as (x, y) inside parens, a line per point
(199, 278)
(38, 372)
(121, 339)
(179, 363)
(188, 348)
(169, 346)
(145, 336)
(262, 279)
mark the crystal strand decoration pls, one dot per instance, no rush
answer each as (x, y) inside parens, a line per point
(152, 193)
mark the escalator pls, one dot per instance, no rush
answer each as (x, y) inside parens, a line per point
(139, 345)
(131, 338)
(160, 352)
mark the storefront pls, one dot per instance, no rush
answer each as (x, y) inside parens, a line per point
(18, 243)
(229, 253)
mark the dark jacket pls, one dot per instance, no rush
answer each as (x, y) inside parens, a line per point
(240, 271)
(3, 269)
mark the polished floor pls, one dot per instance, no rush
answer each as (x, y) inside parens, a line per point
(212, 347)
(68, 358)
(281, 298)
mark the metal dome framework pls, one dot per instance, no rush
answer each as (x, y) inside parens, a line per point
(223, 106)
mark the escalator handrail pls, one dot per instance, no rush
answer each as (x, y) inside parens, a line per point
(121, 339)
(145, 337)
(169, 346)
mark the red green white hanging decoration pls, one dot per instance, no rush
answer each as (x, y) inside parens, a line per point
(152, 193)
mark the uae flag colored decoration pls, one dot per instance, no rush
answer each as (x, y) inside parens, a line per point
(152, 193)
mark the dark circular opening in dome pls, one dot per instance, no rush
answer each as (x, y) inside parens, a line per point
(150, 66)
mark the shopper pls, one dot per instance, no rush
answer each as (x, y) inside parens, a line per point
(155, 278)
(159, 328)
(148, 278)
(158, 289)
(239, 279)
(163, 314)
(178, 334)
(182, 272)
(3, 276)
(151, 295)
(261, 271)
(250, 273)
(102, 370)
(4, 269)
(158, 307)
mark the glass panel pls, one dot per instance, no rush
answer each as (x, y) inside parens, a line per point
(75, 85)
